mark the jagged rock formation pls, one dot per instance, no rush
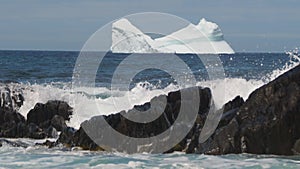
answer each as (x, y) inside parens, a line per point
(266, 123)
(42, 122)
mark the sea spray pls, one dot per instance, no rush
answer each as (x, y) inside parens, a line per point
(141, 93)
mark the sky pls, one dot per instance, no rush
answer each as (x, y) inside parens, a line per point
(248, 26)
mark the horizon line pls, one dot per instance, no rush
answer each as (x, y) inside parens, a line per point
(72, 50)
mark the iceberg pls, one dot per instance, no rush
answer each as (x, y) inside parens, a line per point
(204, 38)
(126, 38)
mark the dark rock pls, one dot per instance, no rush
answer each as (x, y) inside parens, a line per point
(58, 122)
(141, 130)
(13, 143)
(226, 131)
(222, 142)
(77, 138)
(11, 124)
(35, 132)
(43, 121)
(237, 102)
(267, 123)
(9, 116)
(42, 113)
(47, 143)
(21, 130)
(269, 119)
(85, 142)
(296, 147)
(229, 110)
(67, 137)
(51, 132)
(11, 98)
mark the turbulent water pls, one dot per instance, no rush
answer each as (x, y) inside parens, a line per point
(12, 157)
(44, 75)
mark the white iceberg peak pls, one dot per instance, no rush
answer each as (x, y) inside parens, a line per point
(126, 25)
(205, 37)
(206, 24)
(126, 38)
(210, 29)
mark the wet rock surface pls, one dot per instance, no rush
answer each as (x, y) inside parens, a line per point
(53, 113)
(13, 143)
(11, 99)
(129, 128)
(269, 119)
(11, 122)
(44, 121)
(266, 123)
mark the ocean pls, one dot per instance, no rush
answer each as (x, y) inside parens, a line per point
(47, 75)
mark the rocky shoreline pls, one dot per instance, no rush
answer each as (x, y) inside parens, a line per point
(266, 123)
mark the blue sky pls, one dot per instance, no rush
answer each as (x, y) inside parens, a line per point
(249, 26)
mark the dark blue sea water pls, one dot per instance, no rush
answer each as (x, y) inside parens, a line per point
(57, 66)
(47, 75)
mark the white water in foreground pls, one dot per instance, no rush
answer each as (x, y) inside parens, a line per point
(42, 157)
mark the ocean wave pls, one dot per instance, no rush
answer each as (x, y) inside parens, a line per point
(89, 102)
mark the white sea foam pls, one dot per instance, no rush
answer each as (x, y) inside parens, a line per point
(228, 88)
(35, 157)
(108, 102)
(111, 102)
(102, 101)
